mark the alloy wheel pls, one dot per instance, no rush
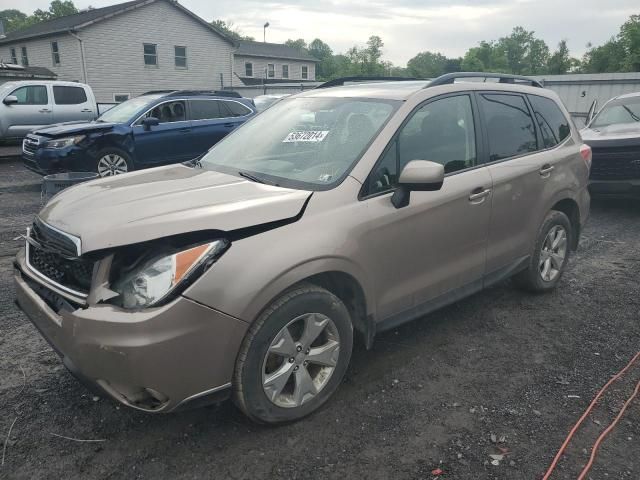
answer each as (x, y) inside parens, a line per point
(300, 360)
(554, 251)
(112, 164)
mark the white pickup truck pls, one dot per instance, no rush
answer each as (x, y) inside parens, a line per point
(30, 104)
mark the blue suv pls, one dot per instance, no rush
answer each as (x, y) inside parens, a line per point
(154, 129)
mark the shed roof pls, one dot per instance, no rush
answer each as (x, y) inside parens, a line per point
(272, 50)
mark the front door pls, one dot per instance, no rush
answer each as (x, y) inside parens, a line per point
(33, 110)
(167, 142)
(435, 246)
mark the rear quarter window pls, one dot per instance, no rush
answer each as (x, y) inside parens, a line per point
(237, 109)
(69, 95)
(554, 126)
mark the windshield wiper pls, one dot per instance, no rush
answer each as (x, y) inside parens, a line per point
(631, 114)
(250, 176)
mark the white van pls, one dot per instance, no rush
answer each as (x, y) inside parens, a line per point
(31, 104)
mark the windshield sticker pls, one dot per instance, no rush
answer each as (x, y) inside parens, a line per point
(306, 136)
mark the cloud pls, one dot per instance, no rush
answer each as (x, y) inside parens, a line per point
(408, 27)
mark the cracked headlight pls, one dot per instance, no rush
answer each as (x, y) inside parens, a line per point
(150, 282)
(64, 142)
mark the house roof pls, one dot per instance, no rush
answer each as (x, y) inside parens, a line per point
(272, 50)
(19, 72)
(88, 17)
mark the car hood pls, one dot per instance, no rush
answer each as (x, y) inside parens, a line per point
(624, 132)
(165, 201)
(72, 128)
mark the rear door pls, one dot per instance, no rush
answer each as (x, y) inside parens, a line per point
(524, 153)
(169, 142)
(210, 123)
(71, 103)
(33, 110)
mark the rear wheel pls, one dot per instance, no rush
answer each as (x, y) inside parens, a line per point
(294, 357)
(550, 256)
(113, 162)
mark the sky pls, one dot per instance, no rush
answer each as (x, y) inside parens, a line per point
(408, 27)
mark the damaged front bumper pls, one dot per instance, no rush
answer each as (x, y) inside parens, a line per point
(156, 359)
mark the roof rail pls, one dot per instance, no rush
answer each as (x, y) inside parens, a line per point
(189, 93)
(502, 78)
(338, 82)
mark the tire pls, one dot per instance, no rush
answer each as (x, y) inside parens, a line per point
(119, 161)
(297, 311)
(536, 278)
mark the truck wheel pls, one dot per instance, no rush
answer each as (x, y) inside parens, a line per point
(550, 255)
(294, 356)
(112, 161)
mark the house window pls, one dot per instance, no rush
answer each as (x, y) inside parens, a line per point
(285, 71)
(14, 56)
(25, 58)
(150, 54)
(181, 56)
(248, 69)
(305, 72)
(120, 97)
(271, 70)
(55, 54)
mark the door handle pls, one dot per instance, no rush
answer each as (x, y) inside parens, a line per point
(86, 110)
(229, 125)
(479, 194)
(45, 110)
(546, 170)
(184, 130)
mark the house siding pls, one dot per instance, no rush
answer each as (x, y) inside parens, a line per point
(39, 55)
(114, 53)
(260, 64)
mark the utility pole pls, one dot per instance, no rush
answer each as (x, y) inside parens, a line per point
(264, 32)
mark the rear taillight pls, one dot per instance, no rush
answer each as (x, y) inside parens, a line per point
(585, 153)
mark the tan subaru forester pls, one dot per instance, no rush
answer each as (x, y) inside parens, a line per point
(348, 208)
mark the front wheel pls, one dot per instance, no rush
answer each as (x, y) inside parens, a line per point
(294, 356)
(112, 162)
(550, 255)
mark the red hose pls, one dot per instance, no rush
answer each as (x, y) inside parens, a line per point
(585, 415)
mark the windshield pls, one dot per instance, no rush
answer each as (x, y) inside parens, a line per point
(302, 142)
(124, 111)
(623, 110)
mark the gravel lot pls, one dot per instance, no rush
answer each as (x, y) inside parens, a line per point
(500, 370)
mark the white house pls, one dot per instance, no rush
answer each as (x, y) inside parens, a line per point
(127, 49)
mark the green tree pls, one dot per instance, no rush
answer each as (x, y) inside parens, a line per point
(427, 65)
(298, 44)
(560, 62)
(629, 41)
(609, 57)
(322, 52)
(230, 30)
(57, 8)
(13, 19)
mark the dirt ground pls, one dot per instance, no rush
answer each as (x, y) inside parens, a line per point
(500, 370)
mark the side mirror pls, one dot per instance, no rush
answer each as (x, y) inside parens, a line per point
(418, 175)
(149, 122)
(10, 100)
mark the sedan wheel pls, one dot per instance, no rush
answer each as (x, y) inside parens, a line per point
(112, 164)
(554, 251)
(300, 360)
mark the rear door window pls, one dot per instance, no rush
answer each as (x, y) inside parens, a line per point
(207, 110)
(32, 95)
(509, 125)
(554, 126)
(236, 109)
(69, 95)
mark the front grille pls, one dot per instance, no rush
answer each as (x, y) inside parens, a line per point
(616, 163)
(73, 274)
(29, 146)
(54, 255)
